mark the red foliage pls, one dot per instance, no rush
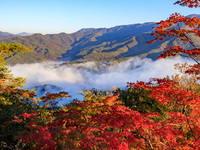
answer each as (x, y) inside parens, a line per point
(50, 97)
(165, 91)
(186, 119)
(188, 3)
(171, 27)
(105, 124)
(40, 137)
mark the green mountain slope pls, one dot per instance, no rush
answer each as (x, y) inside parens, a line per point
(47, 47)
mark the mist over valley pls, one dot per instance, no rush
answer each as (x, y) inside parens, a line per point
(59, 76)
(92, 58)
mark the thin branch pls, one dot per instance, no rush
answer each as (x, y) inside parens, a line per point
(191, 42)
(148, 142)
(154, 139)
(190, 127)
(2, 52)
(191, 58)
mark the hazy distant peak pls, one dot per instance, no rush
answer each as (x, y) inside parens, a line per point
(194, 15)
(5, 33)
(24, 34)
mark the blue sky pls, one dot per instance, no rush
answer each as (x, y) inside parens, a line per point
(55, 16)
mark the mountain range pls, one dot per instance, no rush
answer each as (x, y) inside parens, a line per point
(90, 44)
(6, 35)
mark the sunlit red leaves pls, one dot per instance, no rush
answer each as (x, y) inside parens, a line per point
(188, 3)
(177, 50)
(28, 115)
(190, 129)
(172, 28)
(50, 97)
(53, 96)
(107, 140)
(119, 127)
(194, 69)
(39, 136)
(165, 91)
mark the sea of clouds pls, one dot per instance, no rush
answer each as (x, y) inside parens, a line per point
(55, 76)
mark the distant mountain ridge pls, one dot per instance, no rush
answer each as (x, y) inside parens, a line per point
(7, 35)
(119, 42)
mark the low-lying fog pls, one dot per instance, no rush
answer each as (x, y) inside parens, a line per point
(55, 76)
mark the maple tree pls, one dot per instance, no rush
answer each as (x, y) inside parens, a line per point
(186, 29)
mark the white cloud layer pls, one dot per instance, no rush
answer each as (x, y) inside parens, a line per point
(76, 77)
